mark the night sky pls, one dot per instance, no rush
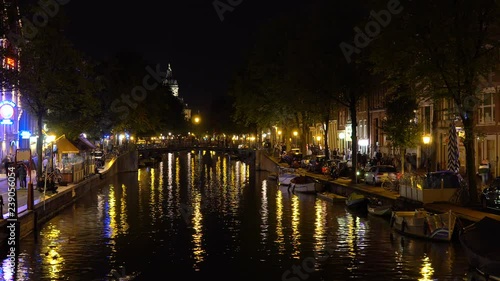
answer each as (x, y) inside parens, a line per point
(203, 50)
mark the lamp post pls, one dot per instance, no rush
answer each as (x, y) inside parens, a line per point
(196, 121)
(427, 142)
(295, 134)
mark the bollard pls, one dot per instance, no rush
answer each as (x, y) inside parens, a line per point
(30, 196)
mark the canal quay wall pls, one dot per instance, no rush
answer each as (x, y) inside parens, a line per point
(342, 187)
(43, 210)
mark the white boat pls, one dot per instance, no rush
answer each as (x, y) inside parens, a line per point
(285, 175)
(305, 184)
(423, 224)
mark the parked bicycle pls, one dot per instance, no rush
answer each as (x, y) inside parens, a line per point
(51, 182)
(390, 184)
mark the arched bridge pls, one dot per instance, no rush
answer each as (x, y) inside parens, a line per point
(157, 150)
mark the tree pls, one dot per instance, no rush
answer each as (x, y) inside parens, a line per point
(77, 112)
(51, 76)
(401, 126)
(449, 47)
(262, 98)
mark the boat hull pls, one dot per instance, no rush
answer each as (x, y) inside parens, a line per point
(285, 175)
(421, 224)
(357, 201)
(304, 188)
(378, 210)
(482, 255)
(304, 184)
(285, 179)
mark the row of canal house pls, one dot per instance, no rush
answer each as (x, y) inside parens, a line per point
(435, 117)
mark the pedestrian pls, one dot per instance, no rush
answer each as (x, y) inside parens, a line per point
(21, 171)
(45, 162)
(378, 156)
(6, 161)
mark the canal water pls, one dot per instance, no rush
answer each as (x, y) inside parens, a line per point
(180, 221)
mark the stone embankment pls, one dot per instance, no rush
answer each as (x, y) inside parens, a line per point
(48, 206)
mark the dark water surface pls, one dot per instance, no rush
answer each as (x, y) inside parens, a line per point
(176, 222)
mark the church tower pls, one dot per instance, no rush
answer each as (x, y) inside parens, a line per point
(171, 82)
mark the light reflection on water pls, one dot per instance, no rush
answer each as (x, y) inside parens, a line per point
(176, 219)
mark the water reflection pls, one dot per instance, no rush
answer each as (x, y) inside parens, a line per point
(197, 218)
(264, 213)
(295, 220)
(320, 237)
(280, 239)
(427, 270)
(169, 218)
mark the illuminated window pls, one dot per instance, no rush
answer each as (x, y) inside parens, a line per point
(487, 109)
(9, 63)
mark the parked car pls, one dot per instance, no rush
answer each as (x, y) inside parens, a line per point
(360, 173)
(376, 174)
(490, 196)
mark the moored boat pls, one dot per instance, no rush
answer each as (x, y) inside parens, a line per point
(380, 210)
(356, 200)
(305, 184)
(479, 241)
(423, 224)
(285, 175)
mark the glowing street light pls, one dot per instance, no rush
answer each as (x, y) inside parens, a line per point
(295, 134)
(427, 142)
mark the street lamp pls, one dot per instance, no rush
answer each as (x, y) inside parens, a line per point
(196, 121)
(427, 142)
(295, 134)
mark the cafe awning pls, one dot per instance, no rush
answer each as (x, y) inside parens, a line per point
(84, 144)
(65, 146)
